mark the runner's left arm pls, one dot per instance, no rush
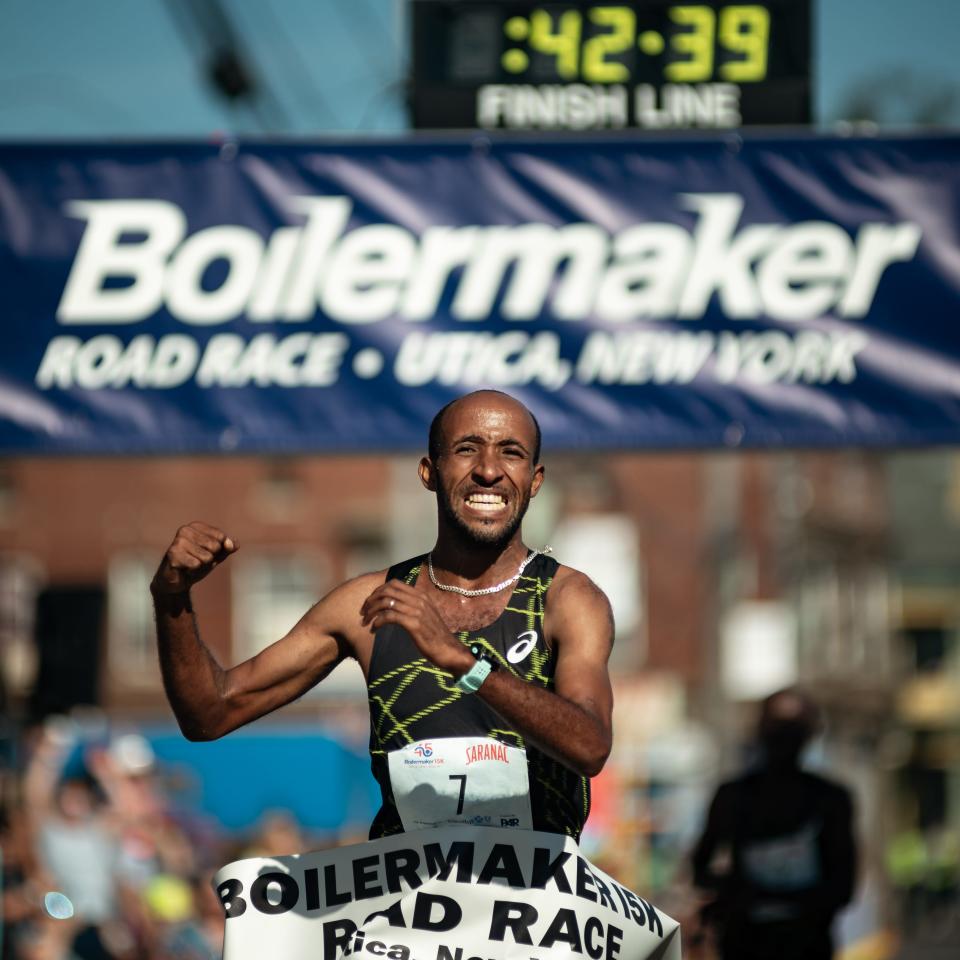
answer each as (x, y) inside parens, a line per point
(573, 723)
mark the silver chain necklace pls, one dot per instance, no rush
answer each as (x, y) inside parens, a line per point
(483, 591)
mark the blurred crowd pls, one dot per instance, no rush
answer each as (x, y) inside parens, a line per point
(923, 867)
(106, 856)
(99, 861)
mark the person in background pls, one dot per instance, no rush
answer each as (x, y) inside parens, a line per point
(277, 835)
(98, 860)
(19, 882)
(786, 838)
(75, 840)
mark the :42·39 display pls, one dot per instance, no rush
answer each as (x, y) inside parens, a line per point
(599, 44)
(631, 60)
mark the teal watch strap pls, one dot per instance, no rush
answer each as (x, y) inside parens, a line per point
(473, 679)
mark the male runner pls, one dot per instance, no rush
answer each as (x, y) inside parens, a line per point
(485, 662)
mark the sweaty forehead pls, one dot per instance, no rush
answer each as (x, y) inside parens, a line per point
(489, 415)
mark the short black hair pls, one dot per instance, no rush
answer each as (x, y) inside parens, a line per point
(435, 437)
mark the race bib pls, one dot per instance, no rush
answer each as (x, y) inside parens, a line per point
(789, 862)
(475, 780)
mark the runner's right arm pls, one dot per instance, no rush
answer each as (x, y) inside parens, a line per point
(210, 701)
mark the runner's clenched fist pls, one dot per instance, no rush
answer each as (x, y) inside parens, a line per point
(196, 549)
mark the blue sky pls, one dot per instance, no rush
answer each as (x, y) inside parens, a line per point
(123, 68)
(887, 43)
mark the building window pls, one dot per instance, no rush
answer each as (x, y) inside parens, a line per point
(844, 615)
(21, 579)
(130, 631)
(271, 592)
(606, 547)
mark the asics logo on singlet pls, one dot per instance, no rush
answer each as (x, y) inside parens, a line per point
(521, 649)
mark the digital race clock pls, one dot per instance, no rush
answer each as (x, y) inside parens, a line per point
(583, 66)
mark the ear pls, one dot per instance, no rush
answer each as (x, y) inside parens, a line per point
(539, 471)
(427, 474)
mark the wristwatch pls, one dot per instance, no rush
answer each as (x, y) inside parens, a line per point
(473, 679)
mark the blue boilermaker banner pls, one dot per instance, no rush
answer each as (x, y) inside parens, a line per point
(644, 293)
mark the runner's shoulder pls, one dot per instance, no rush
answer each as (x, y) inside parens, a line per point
(573, 595)
(574, 586)
(339, 610)
(364, 583)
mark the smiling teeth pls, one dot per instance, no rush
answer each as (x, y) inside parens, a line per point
(486, 498)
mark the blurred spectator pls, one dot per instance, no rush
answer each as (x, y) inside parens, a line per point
(96, 865)
(924, 871)
(20, 902)
(209, 913)
(75, 842)
(777, 853)
(99, 862)
(278, 834)
(943, 874)
(906, 862)
(179, 929)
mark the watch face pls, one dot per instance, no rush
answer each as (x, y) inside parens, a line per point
(483, 657)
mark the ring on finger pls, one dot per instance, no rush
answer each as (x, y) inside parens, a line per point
(393, 603)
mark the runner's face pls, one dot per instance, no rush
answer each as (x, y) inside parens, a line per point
(485, 475)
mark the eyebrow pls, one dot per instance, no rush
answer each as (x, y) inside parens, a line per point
(475, 438)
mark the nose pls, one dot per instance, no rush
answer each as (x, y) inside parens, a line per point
(487, 468)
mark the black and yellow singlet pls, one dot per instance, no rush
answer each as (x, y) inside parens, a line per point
(412, 700)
